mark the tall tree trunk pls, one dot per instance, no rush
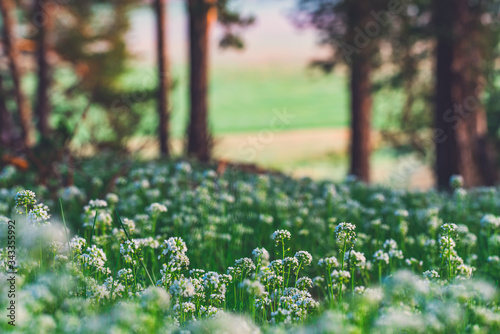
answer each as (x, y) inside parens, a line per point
(447, 155)
(6, 125)
(360, 86)
(199, 139)
(42, 108)
(361, 109)
(163, 76)
(461, 137)
(7, 8)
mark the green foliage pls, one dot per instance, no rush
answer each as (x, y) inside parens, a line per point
(175, 242)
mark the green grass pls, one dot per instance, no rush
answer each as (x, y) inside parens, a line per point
(246, 99)
(176, 244)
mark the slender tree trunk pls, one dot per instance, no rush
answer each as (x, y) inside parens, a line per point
(461, 133)
(361, 100)
(163, 76)
(42, 109)
(361, 109)
(447, 155)
(7, 9)
(6, 125)
(199, 139)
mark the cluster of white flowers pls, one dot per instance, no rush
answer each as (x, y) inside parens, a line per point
(280, 236)
(102, 218)
(464, 271)
(242, 268)
(329, 262)
(294, 305)
(359, 290)
(215, 285)
(174, 245)
(261, 255)
(95, 204)
(125, 276)
(341, 276)
(291, 263)
(155, 299)
(156, 209)
(391, 248)
(446, 243)
(266, 219)
(77, 245)
(24, 200)
(304, 283)
(255, 288)
(401, 213)
(147, 242)
(94, 258)
(413, 262)
(345, 234)
(431, 274)
(112, 199)
(449, 229)
(71, 193)
(128, 250)
(377, 198)
(182, 287)
(184, 167)
(304, 258)
(357, 259)
(39, 215)
(381, 256)
(456, 181)
(490, 221)
(7, 173)
(175, 249)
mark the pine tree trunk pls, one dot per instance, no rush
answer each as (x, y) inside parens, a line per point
(7, 9)
(361, 108)
(199, 140)
(447, 155)
(361, 100)
(461, 133)
(6, 125)
(42, 108)
(163, 77)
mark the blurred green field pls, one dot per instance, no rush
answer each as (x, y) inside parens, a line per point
(314, 143)
(246, 99)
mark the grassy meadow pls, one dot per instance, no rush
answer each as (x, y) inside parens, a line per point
(182, 248)
(243, 99)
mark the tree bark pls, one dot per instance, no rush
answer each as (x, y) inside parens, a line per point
(163, 77)
(42, 109)
(461, 133)
(6, 125)
(361, 110)
(7, 8)
(360, 86)
(199, 139)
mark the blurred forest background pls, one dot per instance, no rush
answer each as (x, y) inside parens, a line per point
(390, 91)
